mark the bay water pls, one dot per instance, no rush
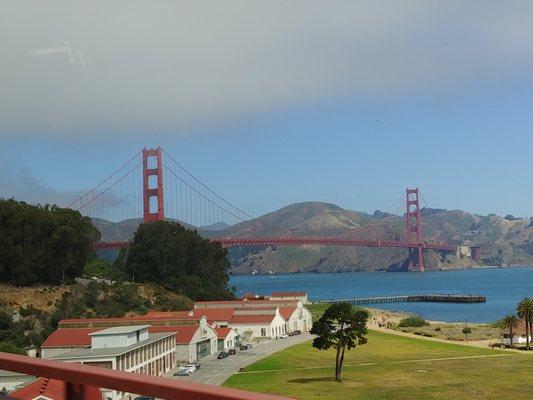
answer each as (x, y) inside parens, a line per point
(503, 287)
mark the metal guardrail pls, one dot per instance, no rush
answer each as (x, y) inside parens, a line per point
(78, 376)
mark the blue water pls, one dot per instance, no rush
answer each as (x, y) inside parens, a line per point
(504, 287)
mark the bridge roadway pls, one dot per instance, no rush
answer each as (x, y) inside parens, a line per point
(302, 241)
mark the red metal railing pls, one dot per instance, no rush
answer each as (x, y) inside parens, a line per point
(76, 375)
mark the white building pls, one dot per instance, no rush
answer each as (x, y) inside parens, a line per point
(193, 342)
(258, 324)
(519, 335)
(127, 348)
(228, 338)
(297, 318)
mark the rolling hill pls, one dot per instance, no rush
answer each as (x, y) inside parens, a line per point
(506, 241)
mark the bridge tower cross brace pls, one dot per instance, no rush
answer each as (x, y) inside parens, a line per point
(153, 188)
(414, 231)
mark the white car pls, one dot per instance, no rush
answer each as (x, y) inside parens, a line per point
(190, 367)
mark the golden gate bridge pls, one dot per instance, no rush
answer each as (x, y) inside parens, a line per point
(152, 184)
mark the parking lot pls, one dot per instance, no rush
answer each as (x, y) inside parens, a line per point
(215, 372)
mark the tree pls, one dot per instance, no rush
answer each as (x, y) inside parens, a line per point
(510, 321)
(466, 331)
(340, 327)
(166, 253)
(98, 268)
(43, 244)
(525, 311)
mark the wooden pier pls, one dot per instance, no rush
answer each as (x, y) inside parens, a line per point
(423, 298)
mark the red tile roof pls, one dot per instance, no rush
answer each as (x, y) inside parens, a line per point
(286, 312)
(51, 389)
(223, 332)
(148, 317)
(288, 294)
(253, 319)
(519, 330)
(168, 314)
(215, 314)
(78, 337)
(184, 333)
(245, 303)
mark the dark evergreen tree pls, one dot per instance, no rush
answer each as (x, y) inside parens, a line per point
(180, 259)
(340, 327)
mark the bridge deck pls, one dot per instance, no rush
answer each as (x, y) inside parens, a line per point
(299, 241)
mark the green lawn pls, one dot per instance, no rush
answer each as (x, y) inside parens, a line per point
(393, 367)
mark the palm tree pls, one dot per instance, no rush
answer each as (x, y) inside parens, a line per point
(511, 322)
(525, 310)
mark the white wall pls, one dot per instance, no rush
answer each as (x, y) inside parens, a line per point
(118, 339)
(517, 339)
(187, 352)
(229, 340)
(275, 328)
(300, 319)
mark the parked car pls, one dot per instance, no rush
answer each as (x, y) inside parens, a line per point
(232, 352)
(183, 372)
(243, 347)
(249, 346)
(190, 367)
(297, 332)
(144, 398)
(222, 355)
(196, 364)
(281, 336)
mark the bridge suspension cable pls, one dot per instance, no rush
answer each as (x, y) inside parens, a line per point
(243, 214)
(116, 198)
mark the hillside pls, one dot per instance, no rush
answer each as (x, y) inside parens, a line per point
(505, 241)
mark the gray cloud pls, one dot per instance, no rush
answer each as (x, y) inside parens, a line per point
(22, 185)
(78, 68)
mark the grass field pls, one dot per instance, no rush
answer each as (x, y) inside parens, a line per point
(392, 367)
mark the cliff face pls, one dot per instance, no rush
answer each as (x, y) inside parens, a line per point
(504, 240)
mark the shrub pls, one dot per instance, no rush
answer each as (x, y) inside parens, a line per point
(413, 321)
(438, 329)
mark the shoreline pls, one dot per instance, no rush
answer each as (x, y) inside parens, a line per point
(381, 271)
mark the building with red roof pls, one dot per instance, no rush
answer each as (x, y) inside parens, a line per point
(245, 304)
(218, 316)
(228, 338)
(193, 341)
(280, 296)
(259, 324)
(51, 389)
(64, 340)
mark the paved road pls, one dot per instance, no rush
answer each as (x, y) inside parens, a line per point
(215, 372)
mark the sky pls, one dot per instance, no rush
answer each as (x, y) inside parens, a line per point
(274, 102)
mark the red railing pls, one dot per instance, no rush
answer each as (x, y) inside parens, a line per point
(78, 375)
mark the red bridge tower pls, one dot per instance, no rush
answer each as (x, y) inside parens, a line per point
(153, 187)
(414, 231)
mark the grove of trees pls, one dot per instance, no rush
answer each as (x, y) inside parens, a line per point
(43, 244)
(181, 260)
